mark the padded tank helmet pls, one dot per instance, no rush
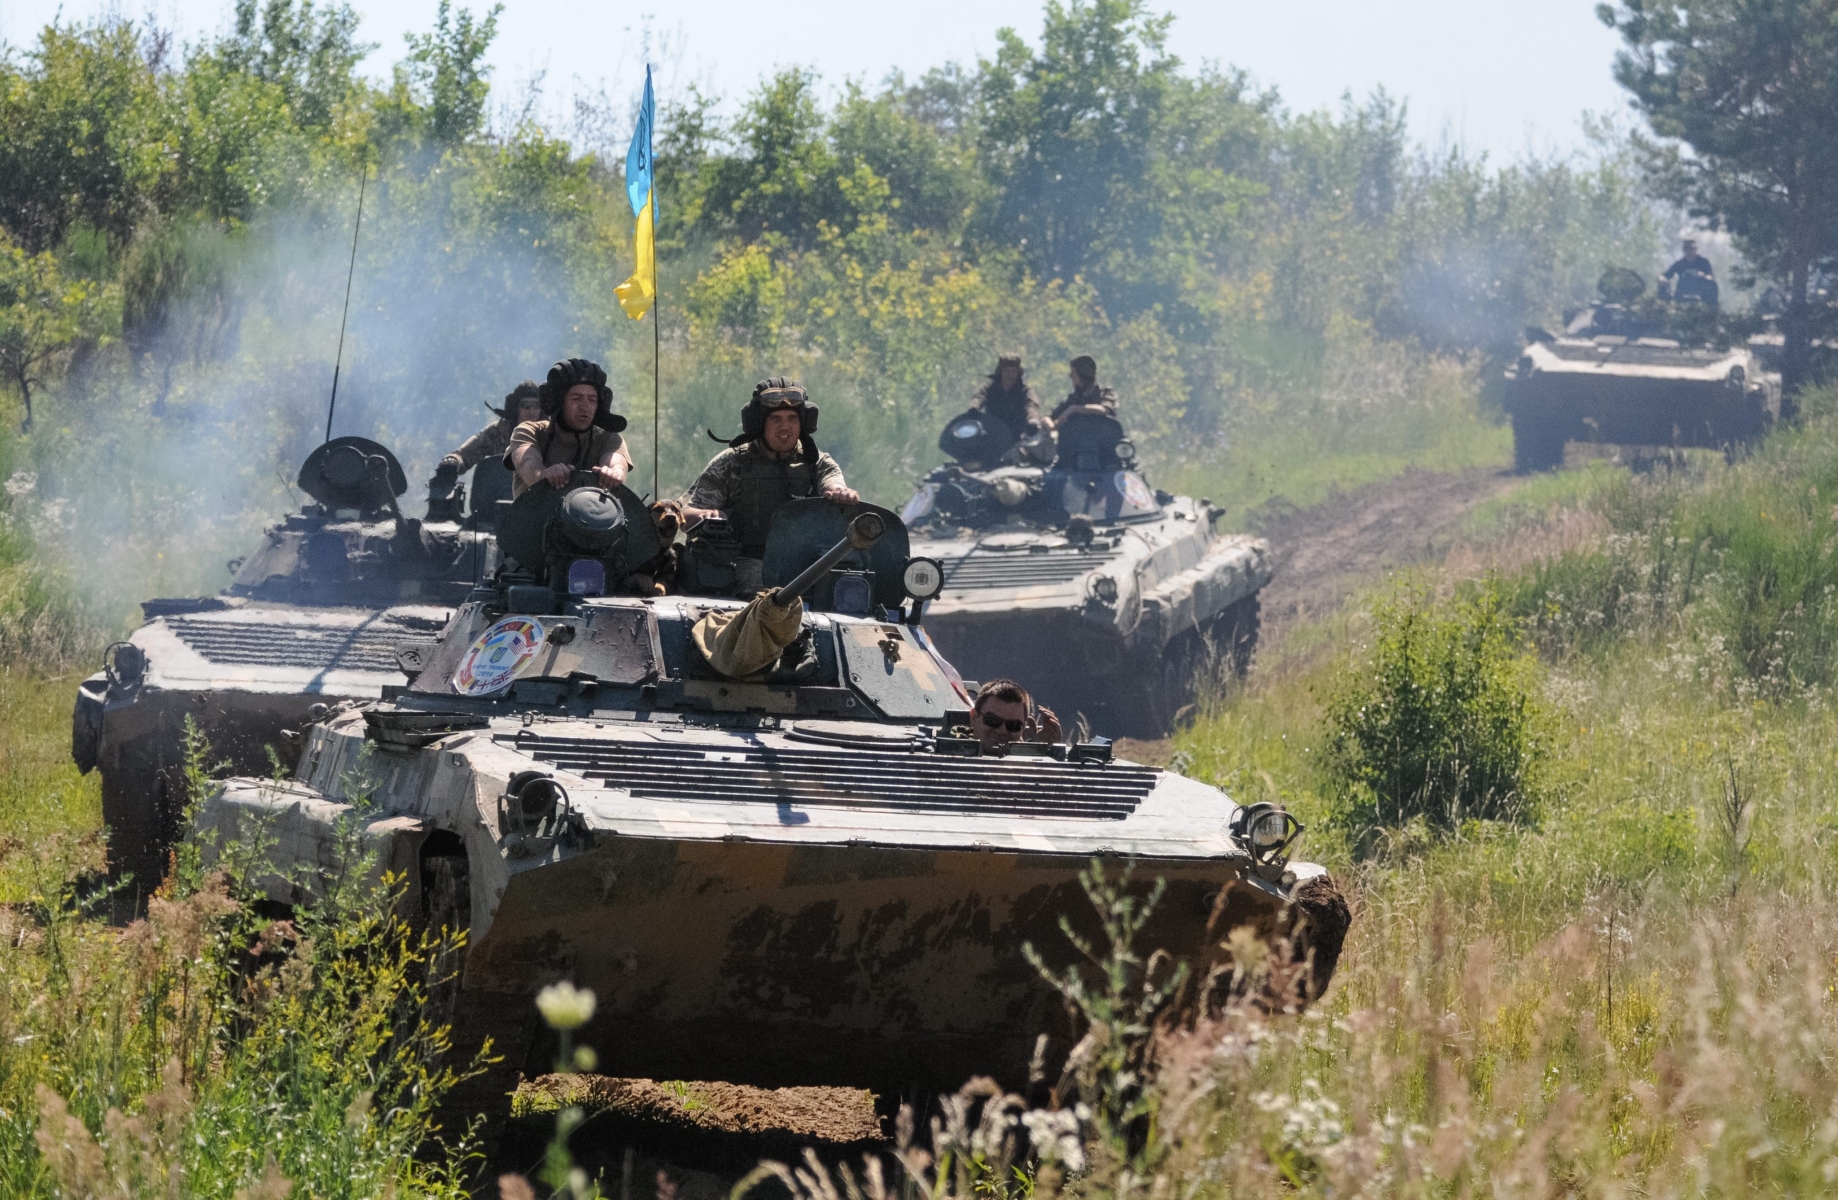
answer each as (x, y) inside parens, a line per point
(527, 389)
(770, 394)
(565, 375)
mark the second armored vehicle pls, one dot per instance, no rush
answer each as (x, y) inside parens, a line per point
(759, 833)
(313, 616)
(1614, 377)
(1100, 594)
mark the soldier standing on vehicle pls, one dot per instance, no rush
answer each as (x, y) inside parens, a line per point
(524, 403)
(772, 462)
(580, 432)
(1004, 712)
(1086, 394)
(1691, 277)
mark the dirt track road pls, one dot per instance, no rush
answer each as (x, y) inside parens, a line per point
(1321, 554)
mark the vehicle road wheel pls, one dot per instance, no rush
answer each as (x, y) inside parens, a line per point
(482, 1102)
(139, 842)
(1232, 635)
(1171, 688)
(446, 904)
(1538, 445)
(1318, 919)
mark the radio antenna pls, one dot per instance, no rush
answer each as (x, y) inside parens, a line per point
(350, 272)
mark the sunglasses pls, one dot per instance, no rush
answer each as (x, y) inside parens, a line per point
(995, 722)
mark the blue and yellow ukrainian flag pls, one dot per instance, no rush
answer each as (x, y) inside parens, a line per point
(637, 294)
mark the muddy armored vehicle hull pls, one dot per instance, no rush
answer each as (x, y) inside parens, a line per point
(313, 616)
(803, 875)
(1634, 391)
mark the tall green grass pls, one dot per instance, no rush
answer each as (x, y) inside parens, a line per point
(213, 1048)
(1627, 994)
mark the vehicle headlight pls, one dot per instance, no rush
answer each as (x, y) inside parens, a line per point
(1267, 831)
(1104, 587)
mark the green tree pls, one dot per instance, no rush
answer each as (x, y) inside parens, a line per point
(1751, 87)
(86, 134)
(1070, 130)
(783, 178)
(311, 54)
(441, 88)
(44, 317)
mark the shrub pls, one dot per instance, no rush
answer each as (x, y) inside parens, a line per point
(1437, 722)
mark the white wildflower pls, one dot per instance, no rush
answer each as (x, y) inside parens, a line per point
(1055, 1135)
(565, 1006)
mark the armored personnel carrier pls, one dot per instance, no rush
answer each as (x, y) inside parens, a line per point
(1628, 373)
(1100, 594)
(312, 616)
(760, 833)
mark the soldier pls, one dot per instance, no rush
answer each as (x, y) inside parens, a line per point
(1004, 712)
(487, 446)
(1085, 390)
(581, 432)
(1690, 277)
(1010, 399)
(773, 461)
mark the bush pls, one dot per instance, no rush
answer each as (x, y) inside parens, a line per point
(1438, 722)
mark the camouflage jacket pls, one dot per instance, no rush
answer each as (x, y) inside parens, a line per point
(749, 483)
(1017, 407)
(1103, 397)
(488, 443)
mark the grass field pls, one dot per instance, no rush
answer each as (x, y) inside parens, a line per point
(1630, 990)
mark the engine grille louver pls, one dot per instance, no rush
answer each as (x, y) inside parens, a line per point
(247, 643)
(1020, 568)
(905, 782)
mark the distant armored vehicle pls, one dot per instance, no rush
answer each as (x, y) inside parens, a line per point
(312, 616)
(1613, 377)
(1102, 596)
(759, 833)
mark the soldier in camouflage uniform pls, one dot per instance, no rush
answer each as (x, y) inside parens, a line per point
(1086, 394)
(772, 462)
(488, 446)
(1008, 398)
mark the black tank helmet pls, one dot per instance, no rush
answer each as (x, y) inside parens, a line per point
(768, 395)
(564, 375)
(516, 396)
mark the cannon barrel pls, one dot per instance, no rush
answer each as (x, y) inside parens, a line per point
(864, 532)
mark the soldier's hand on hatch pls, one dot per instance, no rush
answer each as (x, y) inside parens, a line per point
(557, 475)
(1047, 725)
(611, 475)
(844, 495)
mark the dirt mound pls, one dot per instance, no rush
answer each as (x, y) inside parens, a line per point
(827, 1114)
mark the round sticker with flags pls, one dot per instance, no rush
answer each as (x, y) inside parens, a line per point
(1134, 490)
(496, 656)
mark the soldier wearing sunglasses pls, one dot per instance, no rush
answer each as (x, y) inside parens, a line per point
(772, 462)
(1005, 713)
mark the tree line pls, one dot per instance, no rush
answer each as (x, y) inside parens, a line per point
(170, 216)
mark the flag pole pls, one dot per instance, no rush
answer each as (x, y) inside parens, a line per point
(657, 305)
(657, 357)
(363, 180)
